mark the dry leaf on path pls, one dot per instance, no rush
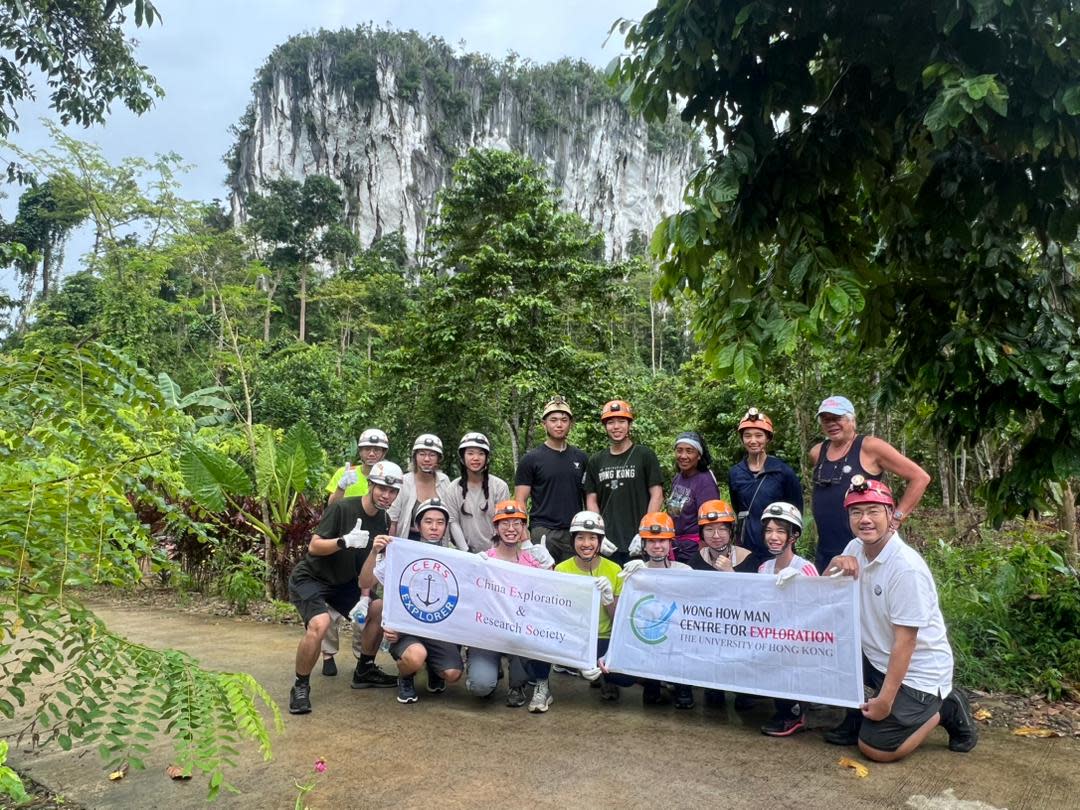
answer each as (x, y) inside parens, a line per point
(861, 770)
(119, 773)
(177, 773)
(1028, 731)
(983, 714)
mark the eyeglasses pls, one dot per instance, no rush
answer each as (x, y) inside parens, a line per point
(873, 512)
(512, 523)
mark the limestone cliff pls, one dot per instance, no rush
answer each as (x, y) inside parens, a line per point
(386, 114)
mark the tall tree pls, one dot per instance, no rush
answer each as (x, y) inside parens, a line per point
(301, 223)
(906, 170)
(81, 49)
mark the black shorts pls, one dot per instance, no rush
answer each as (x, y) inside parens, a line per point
(559, 543)
(911, 709)
(312, 597)
(441, 655)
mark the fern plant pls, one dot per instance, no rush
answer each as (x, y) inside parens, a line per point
(85, 435)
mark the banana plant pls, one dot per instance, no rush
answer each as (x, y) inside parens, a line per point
(211, 397)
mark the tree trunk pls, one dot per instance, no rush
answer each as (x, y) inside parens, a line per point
(652, 335)
(1068, 524)
(944, 474)
(303, 302)
(512, 427)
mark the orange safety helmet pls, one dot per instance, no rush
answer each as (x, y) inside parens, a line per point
(716, 511)
(507, 510)
(617, 409)
(657, 526)
(754, 418)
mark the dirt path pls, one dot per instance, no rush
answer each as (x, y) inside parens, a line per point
(452, 751)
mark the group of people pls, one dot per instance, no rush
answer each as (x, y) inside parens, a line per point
(606, 517)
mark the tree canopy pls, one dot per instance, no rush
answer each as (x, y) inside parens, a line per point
(891, 175)
(81, 49)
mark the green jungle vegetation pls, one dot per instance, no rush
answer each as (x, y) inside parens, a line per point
(892, 217)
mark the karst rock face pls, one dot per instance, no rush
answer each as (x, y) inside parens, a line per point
(386, 115)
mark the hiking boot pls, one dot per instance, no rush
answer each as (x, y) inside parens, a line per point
(371, 677)
(300, 698)
(684, 696)
(715, 699)
(516, 697)
(329, 667)
(541, 697)
(784, 724)
(609, 691)
(435, 682)
(653, 695)
(955, 713)
(847, 733)
(406, 691)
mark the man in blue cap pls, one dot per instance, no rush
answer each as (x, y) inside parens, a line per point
(845, 453)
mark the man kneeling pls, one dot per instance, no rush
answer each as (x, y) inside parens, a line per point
(907, 659)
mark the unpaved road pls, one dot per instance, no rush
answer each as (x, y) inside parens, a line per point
(450, 750)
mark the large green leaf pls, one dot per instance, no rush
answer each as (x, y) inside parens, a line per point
(211, 475)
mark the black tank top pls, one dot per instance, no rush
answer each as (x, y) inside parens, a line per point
(830, 484)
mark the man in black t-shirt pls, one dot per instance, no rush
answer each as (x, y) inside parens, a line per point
(552, 475)
(328, 577)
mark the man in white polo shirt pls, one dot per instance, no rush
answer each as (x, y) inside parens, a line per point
(907, 659)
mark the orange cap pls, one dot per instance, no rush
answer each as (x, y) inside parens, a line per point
(657, 526)
(617, 409)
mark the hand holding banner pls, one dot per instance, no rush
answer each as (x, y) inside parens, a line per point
(450, 595)
(742, 632)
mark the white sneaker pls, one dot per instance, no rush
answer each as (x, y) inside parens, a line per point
(541, 697)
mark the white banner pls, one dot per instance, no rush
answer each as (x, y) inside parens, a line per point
(454, 596)
(742, 632)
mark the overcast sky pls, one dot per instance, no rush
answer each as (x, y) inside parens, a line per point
(205, 56)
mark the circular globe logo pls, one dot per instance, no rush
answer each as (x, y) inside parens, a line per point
(649, 619)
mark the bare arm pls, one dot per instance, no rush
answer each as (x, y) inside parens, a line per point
(522, 493)
(888, 458)
(367, 573)
(656, 497)
(592, 503)
(879, 707)
(322, 546)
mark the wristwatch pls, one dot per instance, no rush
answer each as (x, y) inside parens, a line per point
(341, 542)
(898, 516)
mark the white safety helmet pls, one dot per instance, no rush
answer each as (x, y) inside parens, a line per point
(428, 505)
(587, 522)
(785, 512)
(428, 441)
(373, 437)
(477, 440)
(386, 474)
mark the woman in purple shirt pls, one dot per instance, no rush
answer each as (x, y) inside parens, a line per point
(693, 485)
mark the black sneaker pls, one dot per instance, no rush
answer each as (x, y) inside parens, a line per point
(684, 696)
(329, 667)
(609, 691)
(371, 677)
(847, 733)
(715, 699)
(435, 682)
(784, 724)
(406, 691)
(515, 698)
(956, 719)
(653, 695)
(300, 698)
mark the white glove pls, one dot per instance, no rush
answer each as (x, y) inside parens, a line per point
(607, 593)
(786, 576)
(540, 553)
(359, 612)
(630, 568)
(635, 546)
(357, 538)
(348, 478)
(591, 674)
(607, 548)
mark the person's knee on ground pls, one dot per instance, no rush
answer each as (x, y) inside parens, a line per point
(481, 678)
